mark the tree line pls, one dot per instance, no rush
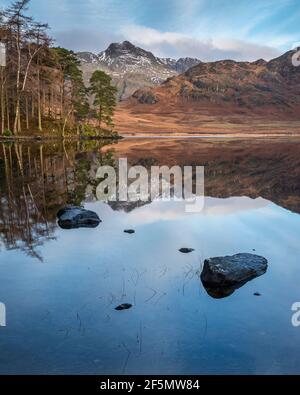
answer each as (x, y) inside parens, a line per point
(42, 86)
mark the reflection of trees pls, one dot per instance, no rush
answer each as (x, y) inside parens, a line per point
(24, 222)
(35, 181)
(83, 175)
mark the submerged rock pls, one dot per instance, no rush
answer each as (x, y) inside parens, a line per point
(221, 276)
(186, 250)
(130, 231)
(71, 217)
(124, 306)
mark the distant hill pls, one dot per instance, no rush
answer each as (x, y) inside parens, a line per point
(230, 87)
(132, 67)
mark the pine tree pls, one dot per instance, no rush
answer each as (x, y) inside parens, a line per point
(104, 97)
(73, 92)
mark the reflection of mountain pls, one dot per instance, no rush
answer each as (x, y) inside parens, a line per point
(264, 168)
(127, 206)
(37, 180)
(158, 210)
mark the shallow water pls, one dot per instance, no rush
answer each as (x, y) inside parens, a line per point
(61, 287)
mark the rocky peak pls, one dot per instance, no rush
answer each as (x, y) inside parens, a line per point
(87, 57)
(132, 67)
(283, 65)
(126, 51)
(260, 62)
(183, 64)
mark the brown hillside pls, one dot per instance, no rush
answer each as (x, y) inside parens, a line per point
(220, 92)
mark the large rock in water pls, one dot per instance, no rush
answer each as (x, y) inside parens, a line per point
(71, 217)
(221, 276)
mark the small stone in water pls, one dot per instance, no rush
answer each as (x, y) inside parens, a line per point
(186, 250)
(130, 231)
(124, 306)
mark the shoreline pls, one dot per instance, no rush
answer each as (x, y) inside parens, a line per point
(58, 138)
(151, 136)
(208, 136)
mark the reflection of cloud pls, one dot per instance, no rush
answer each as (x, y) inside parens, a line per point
(180, 45)
(168, 211)
(217, 206)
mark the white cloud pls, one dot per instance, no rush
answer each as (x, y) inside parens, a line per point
(179, 45)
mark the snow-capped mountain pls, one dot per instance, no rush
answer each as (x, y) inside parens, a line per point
(132, 67)
(180, 65)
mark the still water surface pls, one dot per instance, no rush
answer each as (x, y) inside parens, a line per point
(61, 287)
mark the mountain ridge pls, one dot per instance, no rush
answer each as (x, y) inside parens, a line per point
(226, 97)
(240, 86)
(132, 67)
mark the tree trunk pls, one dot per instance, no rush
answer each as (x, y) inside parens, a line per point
(17, 115)
(7, 112)
(2, 101)
(17, 108)
(27, 115)
(100, 116)
(65, 123)
(39, 102)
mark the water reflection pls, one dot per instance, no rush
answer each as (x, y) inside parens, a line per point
(38, 179)
(61, 315)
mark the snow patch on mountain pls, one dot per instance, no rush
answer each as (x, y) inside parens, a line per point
(132, 67)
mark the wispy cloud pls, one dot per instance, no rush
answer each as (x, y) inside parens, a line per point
(209, 29)
(177, 44)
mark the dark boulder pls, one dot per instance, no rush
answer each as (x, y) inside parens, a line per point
(185, 250)
(124, 306)
(221, 276)
(72, 217)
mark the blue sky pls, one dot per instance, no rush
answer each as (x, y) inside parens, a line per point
(207, 29)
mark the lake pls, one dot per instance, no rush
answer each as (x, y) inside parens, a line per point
(60, 287)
